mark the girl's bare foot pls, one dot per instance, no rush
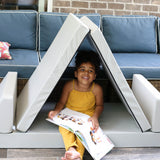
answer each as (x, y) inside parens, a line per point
(71, 154)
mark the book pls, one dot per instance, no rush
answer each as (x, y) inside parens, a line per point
(96, 143)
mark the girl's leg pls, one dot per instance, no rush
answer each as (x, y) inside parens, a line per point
(73, 150)
(71, 154)
(75, 153)
(80, 148)
(69, 138)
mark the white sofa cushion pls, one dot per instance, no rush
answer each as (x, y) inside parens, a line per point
(49, 71)
(149, 99)
(8, 96)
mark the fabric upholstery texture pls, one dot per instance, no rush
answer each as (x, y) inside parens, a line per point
(18, 35)
(49, 29)
(30, 30)
(126, 34)
(23, 61)
(19, 28)
(147, 64)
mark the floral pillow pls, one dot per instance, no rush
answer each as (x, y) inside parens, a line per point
(4, 50)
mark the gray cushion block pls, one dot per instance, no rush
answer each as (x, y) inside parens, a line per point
(8, 97)
(149, 99)
(49, 71)
(117, 78)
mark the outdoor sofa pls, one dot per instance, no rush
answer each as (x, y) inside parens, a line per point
(135, 46)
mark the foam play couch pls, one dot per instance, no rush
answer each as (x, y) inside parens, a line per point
(127, 36)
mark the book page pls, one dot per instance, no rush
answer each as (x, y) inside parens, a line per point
(97, 143)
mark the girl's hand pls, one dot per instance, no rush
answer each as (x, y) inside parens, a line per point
(95, 122)
(51, 114)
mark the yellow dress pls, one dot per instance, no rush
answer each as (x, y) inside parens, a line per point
(83, 102)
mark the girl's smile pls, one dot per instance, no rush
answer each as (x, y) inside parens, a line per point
(85, 74)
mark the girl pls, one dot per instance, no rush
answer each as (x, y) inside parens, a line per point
(82, 95)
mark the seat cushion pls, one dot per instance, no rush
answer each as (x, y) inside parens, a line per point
(23, 61)
(146, 64)
(149, 99)
(131, 33)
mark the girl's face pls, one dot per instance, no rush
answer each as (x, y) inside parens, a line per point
(85, 73)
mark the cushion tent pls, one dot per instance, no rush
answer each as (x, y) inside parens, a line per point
(115, 75)
(41, 83)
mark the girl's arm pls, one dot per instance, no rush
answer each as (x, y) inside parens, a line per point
(63, 99)
(99, 107)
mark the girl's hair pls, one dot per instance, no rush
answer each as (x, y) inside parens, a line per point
(88, 56)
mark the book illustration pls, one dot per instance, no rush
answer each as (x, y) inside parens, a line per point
(97, 143)
(82, 138)
(93, 137)
(79, 121)
(70, 118)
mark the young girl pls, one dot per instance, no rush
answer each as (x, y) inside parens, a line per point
(82, 95)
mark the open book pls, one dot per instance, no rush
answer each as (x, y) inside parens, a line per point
(97, 143)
